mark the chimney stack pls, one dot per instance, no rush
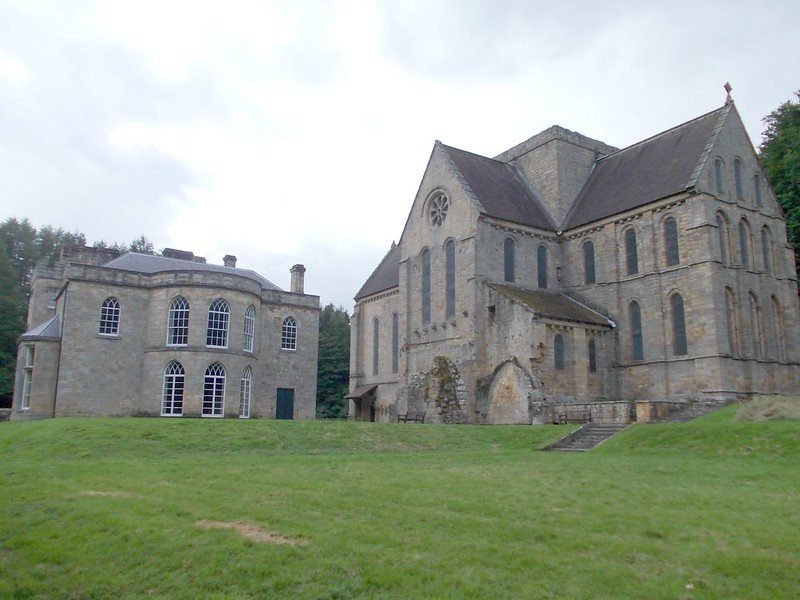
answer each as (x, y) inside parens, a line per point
(298, 278)
(229, 260)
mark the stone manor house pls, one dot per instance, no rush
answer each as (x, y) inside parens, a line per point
(568, 279)
(166, 335)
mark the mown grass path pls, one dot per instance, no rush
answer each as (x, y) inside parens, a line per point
(96, 508)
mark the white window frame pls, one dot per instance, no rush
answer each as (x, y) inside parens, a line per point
(214, 403)
(178, 322)
(219, 313)
(245, 391)
(249, 328)
(110, 316)
(174, 374)
(289, 334)
(27, 374)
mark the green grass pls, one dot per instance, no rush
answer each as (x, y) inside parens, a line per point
(96, 508)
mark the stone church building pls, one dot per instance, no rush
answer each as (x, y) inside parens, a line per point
(566, 279)
(168, 336)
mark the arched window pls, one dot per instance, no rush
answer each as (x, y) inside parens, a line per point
(744, 243)
(718, 175)
(755, 326)
(724, 240)
(289, 334)
(217, 331)
(172, 397)
(592, 357)
(730, 318)
(631, 252)
(635, 316)
(178, 322)
(244, 393)
(249, 328)
(541, 266)
(757, 189)
(671, 242)
(509, 259)
(395, 343)
(426, 286)
(766, 248)
(678, 326)
(109, 317)
(558, 351)
(450, 279)
(375, 341)
(588, 262)
(737, 177)
(777, 320)
(214, 391)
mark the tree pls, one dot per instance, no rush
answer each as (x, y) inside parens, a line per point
(333, 366)
(780, 157)
(141, 245)
(12, 322)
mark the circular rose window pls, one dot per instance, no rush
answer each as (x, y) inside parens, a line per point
(437, 208)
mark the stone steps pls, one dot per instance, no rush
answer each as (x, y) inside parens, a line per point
(586, 438)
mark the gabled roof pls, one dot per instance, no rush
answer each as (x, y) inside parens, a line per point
(385, 276)
(553, 306)
(49, 330)
(500, 189)
(150, 265)
(655, 168)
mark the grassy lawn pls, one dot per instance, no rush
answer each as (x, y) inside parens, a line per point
(96, 508)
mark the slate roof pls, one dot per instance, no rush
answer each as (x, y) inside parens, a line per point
(554, 306)
(385, 276)
(150, 265)
(362, 390)
(500, 189)
(655, 168)
(49, 330)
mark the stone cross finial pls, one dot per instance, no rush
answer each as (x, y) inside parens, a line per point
(728, 88)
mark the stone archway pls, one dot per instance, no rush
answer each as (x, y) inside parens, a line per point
(511, 395)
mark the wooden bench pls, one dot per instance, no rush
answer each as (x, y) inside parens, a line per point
(574, 416)
(411, 418)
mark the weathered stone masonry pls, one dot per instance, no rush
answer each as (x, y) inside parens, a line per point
(77, 370)
(588, 280)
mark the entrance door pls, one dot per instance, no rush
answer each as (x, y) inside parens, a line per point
(284, 409)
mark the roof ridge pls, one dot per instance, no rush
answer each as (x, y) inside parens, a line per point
(474, 154)
(659, 134)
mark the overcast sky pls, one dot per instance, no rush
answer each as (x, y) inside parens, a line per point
(298, 132)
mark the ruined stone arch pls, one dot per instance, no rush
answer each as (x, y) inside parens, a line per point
(514, 397)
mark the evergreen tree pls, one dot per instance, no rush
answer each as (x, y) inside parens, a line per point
(13, 307)
(333, 366)
(780, 156)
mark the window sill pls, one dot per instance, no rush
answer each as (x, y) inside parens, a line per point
(169, 416)
(212, 416)
(108, 336)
